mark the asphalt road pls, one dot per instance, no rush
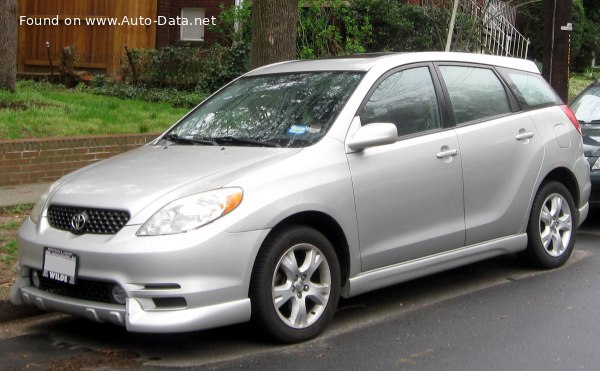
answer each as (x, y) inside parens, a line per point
(494, 315)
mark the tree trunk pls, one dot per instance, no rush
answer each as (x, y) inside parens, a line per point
(557, 45)
(8, 44)
(274, 25)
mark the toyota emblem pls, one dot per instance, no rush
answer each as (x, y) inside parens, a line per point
(78, 221)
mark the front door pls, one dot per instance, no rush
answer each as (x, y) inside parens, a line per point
(409, 194)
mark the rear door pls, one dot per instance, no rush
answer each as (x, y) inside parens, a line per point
(501, 151)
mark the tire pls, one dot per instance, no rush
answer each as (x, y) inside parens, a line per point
(295, 284)
(552, 226)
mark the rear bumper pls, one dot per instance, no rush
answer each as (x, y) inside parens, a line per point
(583, 213)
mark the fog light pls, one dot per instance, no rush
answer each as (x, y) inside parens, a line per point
(35, 279)
(118, 294)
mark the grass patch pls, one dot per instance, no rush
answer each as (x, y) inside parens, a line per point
(13, 225)
(39, 110)
(578, 82)
(10, 220)
(9, 251)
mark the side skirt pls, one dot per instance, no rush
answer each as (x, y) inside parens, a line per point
(378, 278)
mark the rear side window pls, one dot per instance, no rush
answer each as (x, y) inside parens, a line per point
(531, 89)
(475, 93)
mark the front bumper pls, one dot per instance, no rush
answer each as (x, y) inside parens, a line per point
(135, 318)
(205, 272)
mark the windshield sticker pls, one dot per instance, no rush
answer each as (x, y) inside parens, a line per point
(297, 129)
(314, 129)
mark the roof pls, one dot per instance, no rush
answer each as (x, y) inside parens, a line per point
(367, 61)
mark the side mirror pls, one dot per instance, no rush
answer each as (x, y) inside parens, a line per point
(371, 135)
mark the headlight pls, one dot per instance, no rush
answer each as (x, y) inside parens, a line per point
(36, 212)
(192, 212)
(596, 165)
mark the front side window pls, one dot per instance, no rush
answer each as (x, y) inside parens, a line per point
(407, 99)
(287, 110)
(475, 93)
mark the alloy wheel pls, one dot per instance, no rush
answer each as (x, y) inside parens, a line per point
(556, 224)
(301, 285)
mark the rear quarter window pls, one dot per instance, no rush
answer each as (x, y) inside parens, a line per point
(531, 89)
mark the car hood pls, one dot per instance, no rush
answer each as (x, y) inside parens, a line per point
(591, 140)
(133, 180)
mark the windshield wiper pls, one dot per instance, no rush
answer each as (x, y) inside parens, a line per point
(591, 122)
(243, 141)
(177, 139)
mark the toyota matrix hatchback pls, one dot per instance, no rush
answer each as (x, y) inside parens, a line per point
(304, 181)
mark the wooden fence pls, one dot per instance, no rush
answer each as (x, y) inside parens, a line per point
(97, 46)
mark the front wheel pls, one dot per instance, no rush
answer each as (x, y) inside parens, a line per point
(552, 226)
(295, 284)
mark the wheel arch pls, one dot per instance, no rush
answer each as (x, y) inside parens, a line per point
(329, 227)
(565, 177)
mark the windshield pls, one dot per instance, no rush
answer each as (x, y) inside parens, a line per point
(587, 106)
(284, 110)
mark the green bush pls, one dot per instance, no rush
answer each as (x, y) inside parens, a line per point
(235, 24)
(223, 64)
(585, 38)
(188, 68)
(396, 26)
(176, 98)
(171, 66)
(329, 28)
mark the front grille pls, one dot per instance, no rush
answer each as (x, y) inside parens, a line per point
(84, 289)
(94, 221)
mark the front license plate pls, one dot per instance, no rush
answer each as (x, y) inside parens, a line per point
(59, 265)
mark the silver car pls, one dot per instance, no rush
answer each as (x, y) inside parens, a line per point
(304, 181)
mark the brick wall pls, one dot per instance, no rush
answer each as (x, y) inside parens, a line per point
(171, 35)
(42, 160)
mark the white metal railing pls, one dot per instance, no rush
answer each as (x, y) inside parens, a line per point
(499, 35)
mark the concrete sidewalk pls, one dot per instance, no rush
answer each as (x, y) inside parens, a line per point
(21, 194)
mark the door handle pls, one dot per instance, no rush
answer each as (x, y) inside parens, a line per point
(447, 153)
(522, 136)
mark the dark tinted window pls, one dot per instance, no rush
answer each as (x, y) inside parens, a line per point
(475, 93)
(407, 99)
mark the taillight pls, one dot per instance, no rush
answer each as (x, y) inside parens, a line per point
(571, 117)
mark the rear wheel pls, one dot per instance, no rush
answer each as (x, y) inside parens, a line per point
(295, 284)
(552, 226)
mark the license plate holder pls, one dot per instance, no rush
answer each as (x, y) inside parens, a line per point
(60, 265)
